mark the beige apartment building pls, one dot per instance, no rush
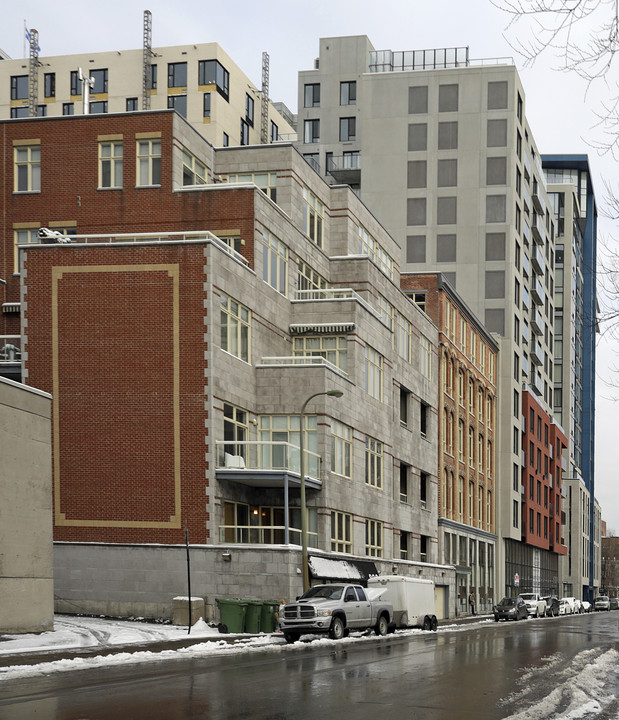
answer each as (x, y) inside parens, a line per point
(438, 146)
(201, 82)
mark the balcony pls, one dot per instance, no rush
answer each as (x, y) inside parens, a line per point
(266, 464)
(536, 353)
(537, 198)
(345, 169)
(537, 385)
(526, 198)
(538, 230)
(537, 291)
(537, 260)
(259, 534)
(526, 265)
(526, 232)
(537, 322)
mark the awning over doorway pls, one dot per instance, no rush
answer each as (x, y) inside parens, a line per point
(323, 568)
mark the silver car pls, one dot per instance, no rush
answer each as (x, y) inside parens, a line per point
(602, 602)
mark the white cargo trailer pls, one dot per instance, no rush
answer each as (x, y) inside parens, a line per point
(412, 600)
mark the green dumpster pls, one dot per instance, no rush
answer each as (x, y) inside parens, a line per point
(252, 616)
(267, 617)
(232, 613)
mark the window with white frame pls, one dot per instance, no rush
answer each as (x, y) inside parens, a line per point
(313, 216)
(341, 449)
(480, 506)
(149, 162)
(460, 440)
(236, 430)
(235, 321)
(333, 348)
(25, 236)
(341, 532)
(27, 168)
(373, 538)
(275, 262)
(309, 279)
(369, 246)
(386, 310)
(111, 164)
(311, 131)
(373, 462)
(281, 438)
(194, 171)
(471, 447)
(266, 181)
(403, 337)
(348, 92)
(348, 129)
(311, 95)
(373, 373)
(425, 357)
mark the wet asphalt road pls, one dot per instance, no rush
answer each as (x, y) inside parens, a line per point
(480, 672)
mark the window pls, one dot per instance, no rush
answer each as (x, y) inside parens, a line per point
(41, 110)
(308, 278)
(19, 87)
(404, 401)
(151, 79)
(194, 171)
(341, 532)
(274, 132)
(373, 373)
(111, 164)
(311, 131)
(418, 99)
(225, 140)
(49, 85)
(373, 538)
(515, 513)
(348, 93)
(178, 103)
(149, 162)
(373, 462)
(235, 322)
(424, 419)
(403, 337)
(280, 437)
(275, 262)
(244, 135)
(446, 247)
(448, 135)
(333, 348)
(419, 298)
(249, 110)
(206, 105)
(26, 236)
(348, 128)
(423, 548)
(27, 171)
(177, 75)
(447, 98)
(370, 247)
(418, 136)
(405, 540)
(425, 357)
(424, 480)
(131, 104)
(460, 440)
(76, 83)
(236, 430)
(447, 173)
(212, 72)
(341, 449)
(68, 108)
(98, 107)
(404, 475)
(313, 215)
(100, 81)
(312, 95)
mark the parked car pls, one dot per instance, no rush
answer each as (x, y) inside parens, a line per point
(602, 602)
(552, 606)
(536, 605)
(586, 606)
(511, 608)
(566, 606)
(614, 603)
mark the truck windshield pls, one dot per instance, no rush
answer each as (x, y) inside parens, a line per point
(331, 592)
(527, 596)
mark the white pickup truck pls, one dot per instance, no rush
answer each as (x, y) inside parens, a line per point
(536, 605)
(333, 610)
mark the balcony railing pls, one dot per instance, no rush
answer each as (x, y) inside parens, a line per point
(264, 535)
(10, 349)
(344, 162)
(253, 455)
(335, 294)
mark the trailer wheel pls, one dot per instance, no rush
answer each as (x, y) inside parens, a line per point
(337, 629)
(434, 623)
(427, 623)
(382, 625)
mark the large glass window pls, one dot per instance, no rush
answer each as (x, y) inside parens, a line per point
(308, 278)
(236, 431)
(194, 171)
(341, 449)
(348, 128)
(177, 74)
(341, 532)
(373, 373)
(235, 322)
(49, 85)
(111, 164)
(100, 81)
(266, 181)
(373, 462)
(274, 262)
(403, 337)
(373, 538)
(313, 216)
(19, 87)
(348, 92)
(178, 103)
(311, 95)
(249, 110)
(149, 162)
(27, 170)
(333, 348)
(425, 357)
(280, 435)
(212, 72)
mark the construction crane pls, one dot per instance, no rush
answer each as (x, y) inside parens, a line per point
(147, 55)
(264, 127)
(33, 73)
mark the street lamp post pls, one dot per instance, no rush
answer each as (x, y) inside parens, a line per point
(304, 559)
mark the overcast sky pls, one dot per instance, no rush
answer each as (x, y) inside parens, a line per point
(559, 106)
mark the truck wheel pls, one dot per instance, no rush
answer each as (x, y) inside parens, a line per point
(427, 623)
(291, 637)
(434, 623)
(337, 630)
(382, 626)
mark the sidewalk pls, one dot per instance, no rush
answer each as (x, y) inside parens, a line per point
(86, 637)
